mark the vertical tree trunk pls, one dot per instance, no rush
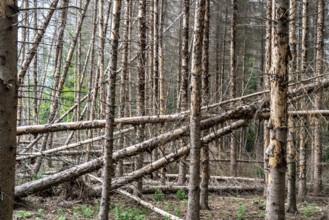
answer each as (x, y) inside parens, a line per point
(291, 141)
(141, 86)
(8, 102)
(318, 99)
(205, 101)
(233, 165)
(303, 134)
(110, 112)
(184, 81)
(193, 212)
(268, 46)
(123, 109)
(276, 151)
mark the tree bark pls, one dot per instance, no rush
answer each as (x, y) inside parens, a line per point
(141, 86)
(193, 212)
(8, 101)
(291, 141)
(205, 100)
(318, 98)
(183, 102)
(110, 113)
(233, 154)
(276, 151)
(303, 133)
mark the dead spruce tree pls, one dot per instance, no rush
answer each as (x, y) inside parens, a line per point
(276, 151)
(8, 103)
(110, 112)
(193, 212)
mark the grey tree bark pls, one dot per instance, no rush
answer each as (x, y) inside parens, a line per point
(193, 212)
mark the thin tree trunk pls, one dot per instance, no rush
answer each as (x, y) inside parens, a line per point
(123, 109)
(268, 46)
(318, 99)
(110, 113)
(141, 86)
(193, 212)
(8, 100)
(276, 151)
(233, 68)
(205, 101)
(184, 81)
(303, 133)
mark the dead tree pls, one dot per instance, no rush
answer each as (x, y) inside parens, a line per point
(195, 116)
(110, 113)
(276, 151)
(8, 100)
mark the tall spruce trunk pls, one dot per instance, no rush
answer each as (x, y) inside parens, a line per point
(303, 133)
(233, 154)
(141, 86)
(8, 103)
(291, 142)
(205, 101)
(276, 151)
(110, 112)
(268, 46)
(184, 82)
(193, 212)
(318, 98)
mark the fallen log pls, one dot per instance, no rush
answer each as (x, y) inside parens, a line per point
(148, 205)
(215, 189)
(74, 172)
(225, 178)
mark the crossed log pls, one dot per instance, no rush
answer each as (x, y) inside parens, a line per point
(246, 112)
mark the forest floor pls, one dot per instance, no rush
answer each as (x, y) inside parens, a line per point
(232, 206)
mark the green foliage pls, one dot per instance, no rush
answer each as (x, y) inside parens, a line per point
(181, 194)
(184, 202)
(309, 209)
(252, 78)
(60, 214)
(326, 154)
(87, 211)
(177, 212)
(240, 212)
(23, 214)
(158, 195)
(129, 213)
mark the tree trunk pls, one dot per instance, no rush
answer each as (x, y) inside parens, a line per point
(110, 113)
(8, 101)
(141, 85)
(268, 46)
(193, 212)
(303, 133)
(291, 141)
(276, 151)
(318, 99)
(184, 80)
(233, 154)
(205, 100)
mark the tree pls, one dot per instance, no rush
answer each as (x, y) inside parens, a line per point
(233, 74)
(318, 98)
(193, 212)
(8, 103)
(303, 133)
(276, 151)
(110, 112)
